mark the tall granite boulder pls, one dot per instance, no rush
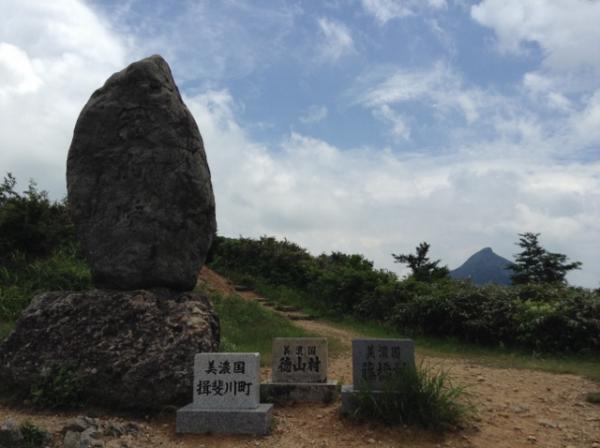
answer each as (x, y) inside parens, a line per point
(123, 349)
(138, 182)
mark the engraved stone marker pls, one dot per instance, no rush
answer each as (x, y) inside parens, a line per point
(299, 371)
(226, 397)
(373, 360)
(227, 380)
(299, 360)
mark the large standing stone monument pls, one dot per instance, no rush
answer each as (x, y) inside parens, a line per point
(299, 371)
(141, 199)
(373, 361)
(226, 397)
(139, 185)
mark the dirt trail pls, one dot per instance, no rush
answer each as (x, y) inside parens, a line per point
(516, 408)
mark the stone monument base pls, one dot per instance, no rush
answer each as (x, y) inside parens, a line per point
(194, 420)
(147, 339)
(280, 393)
(349, 397)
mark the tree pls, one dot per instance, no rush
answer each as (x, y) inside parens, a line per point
(536, 265)
(423, 269)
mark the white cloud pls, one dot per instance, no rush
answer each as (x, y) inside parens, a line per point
(337, 40)
(398, 126)
(53, 55)
(386, 10)
(586, 122)
(17, 75)
(439, 87)
(377, 202)
(314, 114)
(208, 41)
(567, 31)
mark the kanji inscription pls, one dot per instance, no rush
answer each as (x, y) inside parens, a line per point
(227, 380)
(299, 360)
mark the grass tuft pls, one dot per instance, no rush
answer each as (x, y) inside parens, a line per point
(33, 436)
(593, 397)
(415, 396)
(5, 329)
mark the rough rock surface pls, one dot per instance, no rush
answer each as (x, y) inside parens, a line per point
(126, 349)
(138, 182)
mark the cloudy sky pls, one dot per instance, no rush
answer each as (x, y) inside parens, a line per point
(359, 126)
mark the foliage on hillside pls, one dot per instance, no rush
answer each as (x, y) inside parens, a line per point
(30, 223)
(38, 251)
(541, 317)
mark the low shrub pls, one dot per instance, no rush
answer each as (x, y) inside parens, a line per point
(30, 223)
(546, 318)
(58, 388)
(34, 436)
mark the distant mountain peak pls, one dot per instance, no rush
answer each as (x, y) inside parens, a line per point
(484, 266)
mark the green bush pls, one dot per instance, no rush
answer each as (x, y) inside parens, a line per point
(546, 319)
(336, 284)
(458, 309)
(30, 223)
(57, 388)
(33, 436)
(415, 396)
(282, 262)
(550, 318)
(570, 323)
(38, 251)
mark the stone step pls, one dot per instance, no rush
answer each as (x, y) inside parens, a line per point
(242, 288)
(299, 316)
(287, 308)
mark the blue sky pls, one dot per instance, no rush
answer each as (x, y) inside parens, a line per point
(362, 126)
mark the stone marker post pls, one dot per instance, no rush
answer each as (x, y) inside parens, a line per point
(373, 361)
(226, 396)
(299, 371)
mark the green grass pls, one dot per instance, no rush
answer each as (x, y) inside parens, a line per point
(246, 326)
(283, 295)
(498, 357)
(20, 282)
(415, 396)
